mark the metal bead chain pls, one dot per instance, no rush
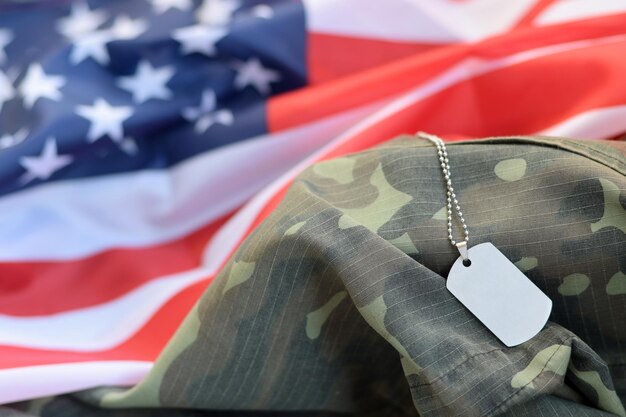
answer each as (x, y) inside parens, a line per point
(451, 196)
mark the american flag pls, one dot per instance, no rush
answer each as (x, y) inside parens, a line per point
(142, 140)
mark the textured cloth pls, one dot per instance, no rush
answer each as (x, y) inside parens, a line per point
(337, 302)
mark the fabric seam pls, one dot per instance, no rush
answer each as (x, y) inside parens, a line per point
(523, 140)
(520, 389)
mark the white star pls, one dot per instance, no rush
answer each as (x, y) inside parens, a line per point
(253, 73)
(129, 146)
(148, 82)
(125, 28)
(207, 105)
(161, 6)
(81, 21)
(199, 38)
(92, 45)
(105, 119)
(217, 12)
(205, 115)
(43, 166)
(8, 141)
(7, 92)
(37, 84)
(263, 11)
(5, 38)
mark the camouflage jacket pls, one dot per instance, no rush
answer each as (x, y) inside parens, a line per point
(337, 303)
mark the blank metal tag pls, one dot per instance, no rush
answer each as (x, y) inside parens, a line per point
(499, 295)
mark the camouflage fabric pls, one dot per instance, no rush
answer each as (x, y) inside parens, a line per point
(337, 302)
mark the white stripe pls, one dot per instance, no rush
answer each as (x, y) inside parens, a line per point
(593, 124)
(100, 327)
(423, 21)
(21, 384)
(567, 10)
(76, 218)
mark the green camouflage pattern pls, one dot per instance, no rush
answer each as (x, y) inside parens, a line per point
(337, 302)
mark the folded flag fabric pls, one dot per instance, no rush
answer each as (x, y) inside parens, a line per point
(141, 141)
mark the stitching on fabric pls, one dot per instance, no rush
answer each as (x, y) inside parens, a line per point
(455, 367)
(470, 358)
(540, 141)
(520, 389)
(509, 397)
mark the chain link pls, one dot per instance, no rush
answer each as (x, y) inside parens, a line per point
(451, 196)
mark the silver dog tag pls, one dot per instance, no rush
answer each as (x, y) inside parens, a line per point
(499, 295)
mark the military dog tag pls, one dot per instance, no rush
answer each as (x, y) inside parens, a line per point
(499, 295)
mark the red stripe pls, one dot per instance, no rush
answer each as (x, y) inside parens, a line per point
(145, 345)
(333, 56)
(25, 287)
(516, 100)
(520, 99)
(528, 97)
(312, 103)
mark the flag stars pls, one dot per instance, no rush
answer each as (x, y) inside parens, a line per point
(253, 73)
(6, 37)
(105, 120)
(80, 21)
(263, 11)
(199, 38)
(92, 45)
(43, 166)
(83, 28)
(125, 28)
(217, 12)
(213, 18)
(206, 114)
(148, 82)
(8, 140)
(37, 84)
(161, 6)
(129, 146)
